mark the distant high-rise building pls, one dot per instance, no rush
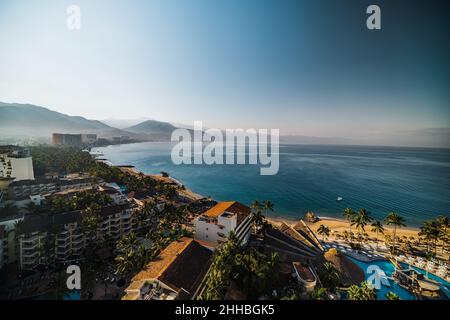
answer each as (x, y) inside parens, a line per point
(89, 138)
(16, 162)
(65, 139)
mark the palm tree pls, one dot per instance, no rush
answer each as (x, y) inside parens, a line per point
(324, 231)
(431, 232)
(348, 215)
(330, 276)
(258, 217)
(397, 221)
(443, 222)
(360, 220)
(126, 262)
(377, 227)
(363, 292)
(268, 206)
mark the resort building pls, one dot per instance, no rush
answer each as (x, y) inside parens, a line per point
(16, 162)
(65, 139)
(88, 138)
(178, 273)
(60, 238)
(20, 190)
(298, 242)
(215, 224)
(8, 235)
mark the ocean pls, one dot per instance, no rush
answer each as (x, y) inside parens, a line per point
(414, 182)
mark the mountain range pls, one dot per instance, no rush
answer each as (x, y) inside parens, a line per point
(31, 122)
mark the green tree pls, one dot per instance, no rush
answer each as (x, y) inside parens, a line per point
(258, 217)
(397, 221)
(360, 220)
(324, 231)
(348, 215)
(443, 222)
(377, 227)
(431, 232)
(318, 294)
(329, 276)
(363, 292)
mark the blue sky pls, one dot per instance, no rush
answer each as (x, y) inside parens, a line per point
(306, 67)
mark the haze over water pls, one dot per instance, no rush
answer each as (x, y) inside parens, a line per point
(411, 181)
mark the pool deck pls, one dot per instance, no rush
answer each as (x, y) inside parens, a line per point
(368, 254)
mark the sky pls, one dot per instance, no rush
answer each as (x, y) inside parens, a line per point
(306, 67)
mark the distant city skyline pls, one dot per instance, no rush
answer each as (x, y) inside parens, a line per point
(309, 68)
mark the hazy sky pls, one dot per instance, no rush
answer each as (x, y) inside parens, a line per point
(307, 67)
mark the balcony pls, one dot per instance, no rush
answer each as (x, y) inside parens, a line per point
(29, 254)
(62, 252)
(77, 236)
(30, 245)
(63, 245)
(30, 260)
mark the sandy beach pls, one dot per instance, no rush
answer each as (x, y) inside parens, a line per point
(341, 225)
(335, 224)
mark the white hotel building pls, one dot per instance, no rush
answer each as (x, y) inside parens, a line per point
(214, 225)
(16, 162)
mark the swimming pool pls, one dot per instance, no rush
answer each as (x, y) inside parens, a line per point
(388, 269)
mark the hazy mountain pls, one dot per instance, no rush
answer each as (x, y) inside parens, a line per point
(29, 121)
(153, 128)
(123, 123)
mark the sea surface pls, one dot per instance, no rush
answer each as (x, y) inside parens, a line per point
(414, 182)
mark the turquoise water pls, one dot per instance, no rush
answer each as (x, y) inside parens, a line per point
(412, 181)
(389, 269)
(74, 295)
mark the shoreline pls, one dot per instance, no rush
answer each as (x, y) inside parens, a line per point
(340, 225)
(334, 223)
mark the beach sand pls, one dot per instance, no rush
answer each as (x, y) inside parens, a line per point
(342, 225)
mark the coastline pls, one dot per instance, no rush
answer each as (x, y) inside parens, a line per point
(341, 225)
(335, 224)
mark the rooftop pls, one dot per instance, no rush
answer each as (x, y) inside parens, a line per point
(233, 207)
(181, 265)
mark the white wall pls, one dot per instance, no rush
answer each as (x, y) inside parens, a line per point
(22, 168)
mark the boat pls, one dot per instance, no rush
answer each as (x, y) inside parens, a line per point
(338, 199)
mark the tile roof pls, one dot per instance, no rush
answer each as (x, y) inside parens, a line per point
(235, 207)
(155, 268)
(181, 265)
